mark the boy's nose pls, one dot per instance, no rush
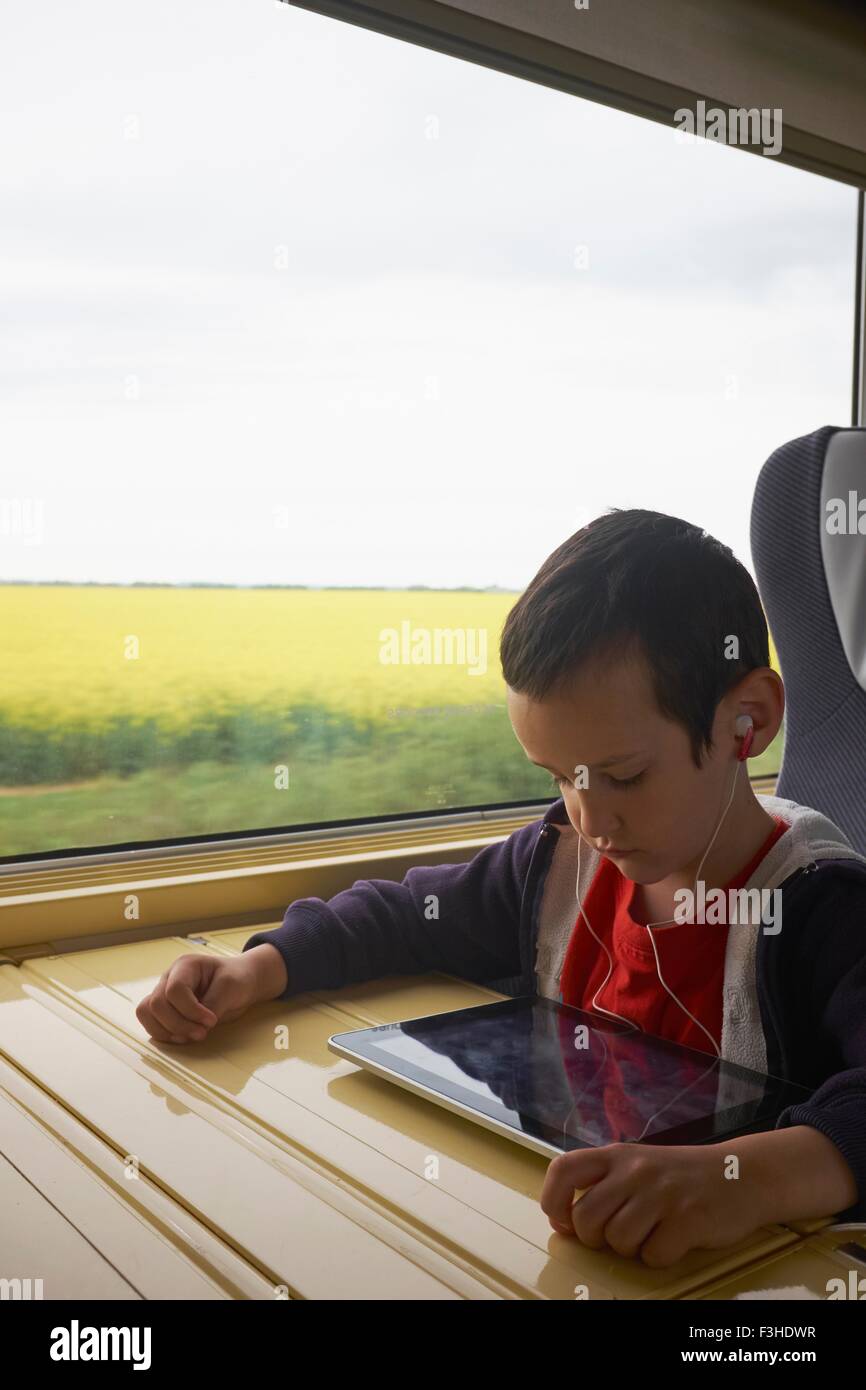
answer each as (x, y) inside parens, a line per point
(596, 824)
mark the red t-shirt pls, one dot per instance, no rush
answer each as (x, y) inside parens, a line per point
(691, 958)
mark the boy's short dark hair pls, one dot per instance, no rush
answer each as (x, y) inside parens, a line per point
(636, 581)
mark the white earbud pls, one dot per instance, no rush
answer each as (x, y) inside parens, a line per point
(743, 724)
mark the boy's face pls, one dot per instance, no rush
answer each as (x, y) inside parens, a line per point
(659, 826)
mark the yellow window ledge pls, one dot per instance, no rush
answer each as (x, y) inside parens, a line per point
(71, 905)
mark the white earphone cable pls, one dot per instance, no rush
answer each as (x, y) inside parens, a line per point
(649, 926)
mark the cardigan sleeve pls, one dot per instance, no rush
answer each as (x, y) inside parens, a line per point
(836, 990)
(460, 918)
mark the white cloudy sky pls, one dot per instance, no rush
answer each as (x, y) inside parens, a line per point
(287, 302)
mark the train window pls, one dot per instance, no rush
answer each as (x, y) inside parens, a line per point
(314, 352)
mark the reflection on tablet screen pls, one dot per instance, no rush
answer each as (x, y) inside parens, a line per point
(572, 1078)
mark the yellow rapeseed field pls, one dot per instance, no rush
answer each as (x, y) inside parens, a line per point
(68, 657)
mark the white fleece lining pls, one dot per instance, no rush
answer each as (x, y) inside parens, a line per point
(811, 836)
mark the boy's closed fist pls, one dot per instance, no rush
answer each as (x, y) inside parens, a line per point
(657, 1202)
(198, 991)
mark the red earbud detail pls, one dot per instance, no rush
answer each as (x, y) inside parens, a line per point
(747, 743)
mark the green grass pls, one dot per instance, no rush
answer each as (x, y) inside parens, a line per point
(338, 770)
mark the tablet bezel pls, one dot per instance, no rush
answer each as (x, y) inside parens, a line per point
(359, 1046)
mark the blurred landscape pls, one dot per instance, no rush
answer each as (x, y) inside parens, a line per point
(137, 713)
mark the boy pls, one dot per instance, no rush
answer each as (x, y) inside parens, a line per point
(636, 666)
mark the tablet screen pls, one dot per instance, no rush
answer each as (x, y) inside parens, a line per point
(572, 1079)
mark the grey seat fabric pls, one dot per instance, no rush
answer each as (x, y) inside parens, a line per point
(810, 564)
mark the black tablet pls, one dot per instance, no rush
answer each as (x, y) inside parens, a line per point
(556, 1078)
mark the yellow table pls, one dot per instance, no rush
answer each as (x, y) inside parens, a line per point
(259, 1165)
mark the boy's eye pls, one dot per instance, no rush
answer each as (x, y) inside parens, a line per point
(557, 782)
(626, 781)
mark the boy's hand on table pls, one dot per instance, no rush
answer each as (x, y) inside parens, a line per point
(654, 1201)
(200, 990)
